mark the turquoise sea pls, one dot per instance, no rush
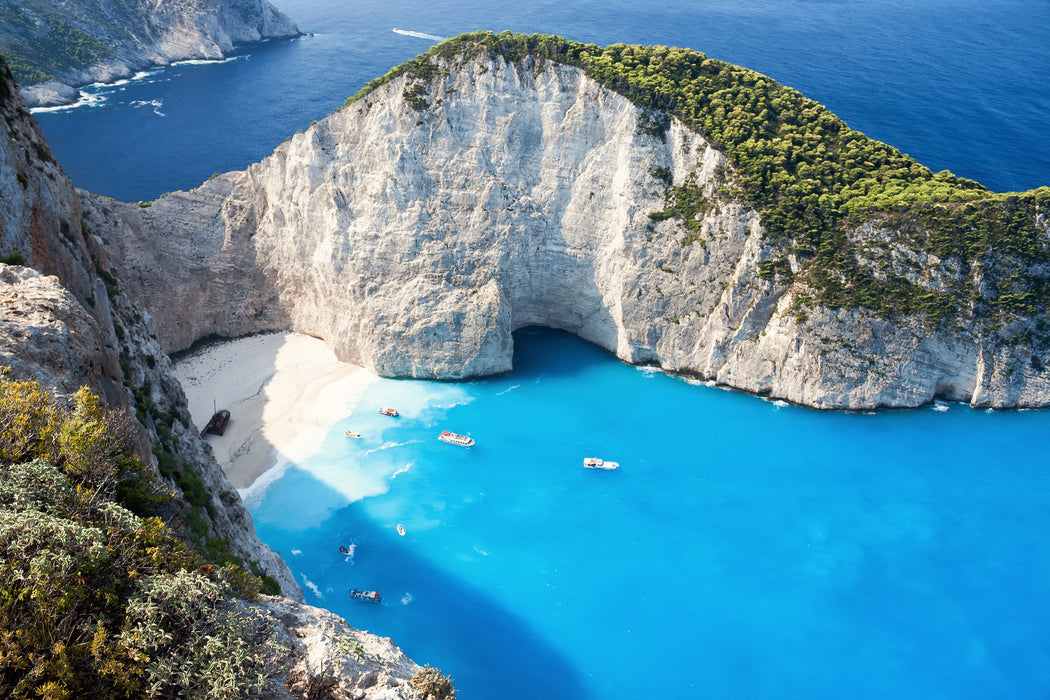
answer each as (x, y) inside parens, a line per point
(743, 549)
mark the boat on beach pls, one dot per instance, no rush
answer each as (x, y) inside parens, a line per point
(392, 412)
(217, 424)
(456, 439)
(599, 463)
(352, 434)
(367, 596)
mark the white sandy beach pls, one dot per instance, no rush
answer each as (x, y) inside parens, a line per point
(284, 392)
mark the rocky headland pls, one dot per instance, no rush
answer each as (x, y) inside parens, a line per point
(480, 192)
(53, 48)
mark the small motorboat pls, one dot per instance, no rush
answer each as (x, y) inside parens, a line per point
(344, 550)
(456, 439)
(401, 529)
(367, 596)
(352, 434)
(598, 463)
(392, 412)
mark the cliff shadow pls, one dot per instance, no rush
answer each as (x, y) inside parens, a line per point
(435, 617)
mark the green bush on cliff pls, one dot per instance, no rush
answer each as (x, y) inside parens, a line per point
(96, 601)
(810, 175)
(37, 55)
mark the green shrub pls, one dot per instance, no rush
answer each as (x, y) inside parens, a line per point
(96, 601)
(432, 684)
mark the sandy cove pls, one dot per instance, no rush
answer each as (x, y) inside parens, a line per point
(284, 392)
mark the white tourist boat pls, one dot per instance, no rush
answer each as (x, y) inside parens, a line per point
(599, 463)
(455, 439)
(367, 596)
(352, 434)
(389, 412)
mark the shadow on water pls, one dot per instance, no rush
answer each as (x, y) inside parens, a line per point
(537, 350)
(436, 618)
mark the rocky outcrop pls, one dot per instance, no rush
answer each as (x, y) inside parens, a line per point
(77, 326)
(116, 40)
(68, 322)
(326, 657)
(415, 229)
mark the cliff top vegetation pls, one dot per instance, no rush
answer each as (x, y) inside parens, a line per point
(812, 177)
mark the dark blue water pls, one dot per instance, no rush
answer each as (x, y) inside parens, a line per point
(741, 550)
(958, 84)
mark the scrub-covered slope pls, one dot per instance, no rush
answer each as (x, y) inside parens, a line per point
(671, 208)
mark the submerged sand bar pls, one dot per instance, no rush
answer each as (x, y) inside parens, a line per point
(284, 392)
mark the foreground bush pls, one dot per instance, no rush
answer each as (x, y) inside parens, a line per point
(432, 684)
(96, 601)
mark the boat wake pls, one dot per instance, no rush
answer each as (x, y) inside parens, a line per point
(508, 390)
(390, 445)
(419, 35)
(407, 598)
(402, 470)
(307, 583)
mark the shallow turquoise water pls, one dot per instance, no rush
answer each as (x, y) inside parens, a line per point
(741, 550)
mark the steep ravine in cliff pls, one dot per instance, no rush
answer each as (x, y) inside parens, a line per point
(417, 227)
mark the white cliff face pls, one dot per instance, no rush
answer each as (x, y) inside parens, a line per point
(414, 241)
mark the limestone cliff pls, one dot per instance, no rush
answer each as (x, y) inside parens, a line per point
(55, 47)
(416, 228)
(66, 321)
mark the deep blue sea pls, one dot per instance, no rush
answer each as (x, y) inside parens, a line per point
(743, 549)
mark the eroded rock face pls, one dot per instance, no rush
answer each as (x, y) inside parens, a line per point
(74, 325)
(415, 231)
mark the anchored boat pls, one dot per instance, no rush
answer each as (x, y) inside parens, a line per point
(352, 434)
(367, 596)
(392, 412)
(598, 463)
(455, 439)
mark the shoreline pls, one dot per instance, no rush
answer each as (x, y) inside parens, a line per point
(57, 95)
(284, 392)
